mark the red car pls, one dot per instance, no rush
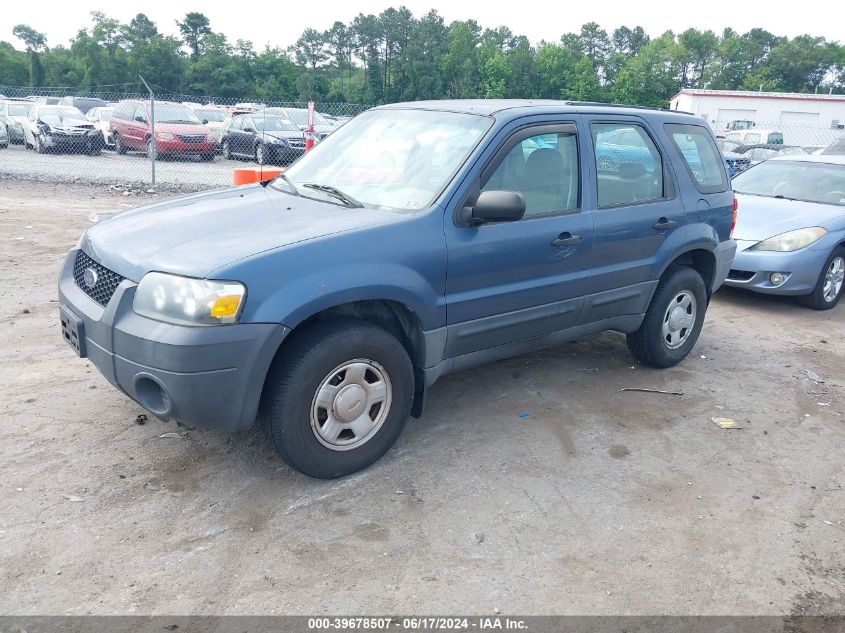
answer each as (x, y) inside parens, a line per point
(178, 132)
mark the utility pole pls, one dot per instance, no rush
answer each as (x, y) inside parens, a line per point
(152, 129)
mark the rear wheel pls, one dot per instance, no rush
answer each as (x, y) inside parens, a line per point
(337, 398)
(828, 290)
(673, 320)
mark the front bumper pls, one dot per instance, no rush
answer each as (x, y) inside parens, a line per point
(752, 270)
(284, 153)
(210, 377)
(84, 142)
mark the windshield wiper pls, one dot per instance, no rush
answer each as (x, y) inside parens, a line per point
(334, 192)
(292, 190)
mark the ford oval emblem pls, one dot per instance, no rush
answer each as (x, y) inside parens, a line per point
(89, 277)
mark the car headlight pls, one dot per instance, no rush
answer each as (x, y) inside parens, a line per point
(211, 138)
(187, 301)
(792, 240)
(164, 136)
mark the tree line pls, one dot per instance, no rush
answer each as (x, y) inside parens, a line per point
(394, 56)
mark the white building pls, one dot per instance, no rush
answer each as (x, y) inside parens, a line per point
(804, 119)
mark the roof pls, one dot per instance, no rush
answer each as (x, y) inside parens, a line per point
(747, 94)
(490, 107)
(832, 159)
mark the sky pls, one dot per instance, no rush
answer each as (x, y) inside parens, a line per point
(281, 23)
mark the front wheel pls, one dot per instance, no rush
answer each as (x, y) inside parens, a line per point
(828, 290)
(337, 397)
(261, 154)
(226, 150)
(673, 320)
(40, 148)
(119, 147)
(152, 150)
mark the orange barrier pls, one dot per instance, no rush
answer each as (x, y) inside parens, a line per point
(247, 175)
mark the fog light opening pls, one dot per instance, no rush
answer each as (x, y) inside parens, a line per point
(777, 279)
(152, 396)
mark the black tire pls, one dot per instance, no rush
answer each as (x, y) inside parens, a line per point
(648, 344)
(226, 151)
(294, 380)
(261, 154)
(119, 147)
(816, 299)
(39, 145)
(207, 158)
(152, 150)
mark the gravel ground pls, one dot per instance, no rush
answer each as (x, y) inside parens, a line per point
(532, 485)
(133, 168)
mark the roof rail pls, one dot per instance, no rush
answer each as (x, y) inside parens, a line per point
(623, 105)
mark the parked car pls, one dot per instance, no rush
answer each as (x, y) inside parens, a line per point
(212, 117)
(8, 125)
(329, 300)
(299, 116)
(4, 134)
(736, 163)
(178, 132)
(100, 117)
(16, 111)
(266, 139)
(759, 152)
(791, 230)
(62, 128)
(43, 100)
(83, 103)
(250, 106)
(753, 136)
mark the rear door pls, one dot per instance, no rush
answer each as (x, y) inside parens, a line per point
(636, 211)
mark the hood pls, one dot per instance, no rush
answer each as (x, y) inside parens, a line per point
(194, 235)
(68, 122)
(759, 217)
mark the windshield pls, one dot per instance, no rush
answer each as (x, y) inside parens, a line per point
(807, 181)
(392, 159)
(274, 124)
(213, 116)
(166, 113)
(19, 109)
(54, 115)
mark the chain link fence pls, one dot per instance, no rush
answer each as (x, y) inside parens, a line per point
(185, 142)
(135, 140)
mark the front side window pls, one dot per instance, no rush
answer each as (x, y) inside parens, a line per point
(701, 156)
(544, 169)
(629, 170)
(394, 159)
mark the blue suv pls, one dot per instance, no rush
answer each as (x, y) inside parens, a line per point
(417, 240)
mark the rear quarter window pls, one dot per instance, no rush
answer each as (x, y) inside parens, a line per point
(701, 156)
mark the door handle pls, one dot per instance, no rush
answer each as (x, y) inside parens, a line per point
(566, 239)
(663, 224)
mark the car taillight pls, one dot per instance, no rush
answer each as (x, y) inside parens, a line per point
(733, 218)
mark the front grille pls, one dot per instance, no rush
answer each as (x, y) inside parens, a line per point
(107, 281)
(192, 138)
(740, 275)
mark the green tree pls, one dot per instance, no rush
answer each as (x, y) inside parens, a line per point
(194, 29)
(494, 76)
(35, 42)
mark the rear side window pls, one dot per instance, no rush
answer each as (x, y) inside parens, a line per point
(629, 168)
(701, 156)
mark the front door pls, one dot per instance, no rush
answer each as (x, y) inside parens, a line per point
(513, 281)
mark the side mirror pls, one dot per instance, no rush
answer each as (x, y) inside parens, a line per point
(140, 119)
(494, 206)
(205, 121)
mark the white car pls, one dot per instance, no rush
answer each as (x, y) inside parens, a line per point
(213, 117)
(755, 136)
(100, 116)
(16, 111)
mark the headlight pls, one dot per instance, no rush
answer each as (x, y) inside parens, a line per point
(791, 241)
(211, 138)
(165, 136)
(186, 301)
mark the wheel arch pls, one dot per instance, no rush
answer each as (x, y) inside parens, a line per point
(391, 315)
(699, 259)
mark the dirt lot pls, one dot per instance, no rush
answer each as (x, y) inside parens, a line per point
(597, 501)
